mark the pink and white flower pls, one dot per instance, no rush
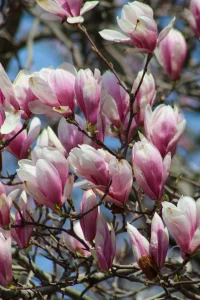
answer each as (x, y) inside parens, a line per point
(192, 15)
(72, 243)
(164, 127)
(150, 255)
(15, 99)
(171, 53)
(146, 95)
(70, 136)
(88, 222)
(22, 234)
(46, 177)
(139, 27)
(105, 243)
(5, 204)
(88, 94)
(99, 168)
(70, 9)
(54, 90)
(183, 222)
(20, 145)
(116, 104)
(5, 258)
(150, 169)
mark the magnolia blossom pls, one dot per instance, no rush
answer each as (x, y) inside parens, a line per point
(90, 164)
(150, 256)
(139, 27)
(171, 53)
(70, 136)
(146, 95)
(164, 127)
(5, 258)
(14, 100)
(89, 221)
(22, 234)
(46, 177)
(5, 204)
(54, 90)
(183, 223)
(192, 15)
(150, 169)
(49, 138)
(88, 94)
(20, 145)
(70, 9)
(105, 244)
(72, 243)
(116, 104)
(101, 168)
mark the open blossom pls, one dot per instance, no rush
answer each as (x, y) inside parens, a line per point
(101, 168)
(183, 223)
(171, 53)
(72, 243)
(46, 177)
(139, 27)
(164, 127)
(54, 90)
(105, 243)
(15, 99)
(150, 169)
(146, 95)
(20, 145)
(22, 234)
(89, 221)
(150, 256)
(192, 15)
(5, 204)
(116, 104)
(5, 258)
(70, 9)
(88, 94)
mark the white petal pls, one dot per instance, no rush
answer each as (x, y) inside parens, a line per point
(69, 68)
(11, 121)
(51, 6)
(165, 31)
(88, 6)
(115, 36)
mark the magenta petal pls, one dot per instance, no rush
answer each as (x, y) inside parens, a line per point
(48, 181)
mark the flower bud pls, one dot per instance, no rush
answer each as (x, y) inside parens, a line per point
(89, 221)
(5, 205)
(150, 170)
(171, 53)
(150, 256)
(105, 244)
(183, 223)
(88, 94)
(22, 234)
(5, 258)
(146, 95)
(192, 15)
(164, 127)
(72, 243)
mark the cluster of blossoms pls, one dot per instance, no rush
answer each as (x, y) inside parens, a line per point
(49, 171)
